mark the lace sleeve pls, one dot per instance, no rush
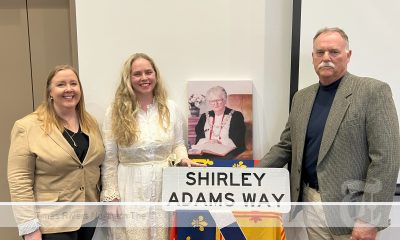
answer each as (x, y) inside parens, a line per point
(179, 146)
(109, 167)
(28, 227)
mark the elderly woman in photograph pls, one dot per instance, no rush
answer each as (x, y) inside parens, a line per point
(221, 125)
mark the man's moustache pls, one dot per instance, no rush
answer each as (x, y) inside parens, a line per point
(326, 64)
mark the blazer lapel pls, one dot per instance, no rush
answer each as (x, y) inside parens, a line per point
(59, 139)
(308, 103)
(338, 110)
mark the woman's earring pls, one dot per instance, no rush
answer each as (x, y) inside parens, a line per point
(51, 97)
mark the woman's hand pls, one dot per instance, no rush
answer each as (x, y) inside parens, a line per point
(113, 212)
(189, 163)
(36, 235)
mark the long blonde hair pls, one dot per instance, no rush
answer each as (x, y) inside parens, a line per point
(48, 116)
(125, 107)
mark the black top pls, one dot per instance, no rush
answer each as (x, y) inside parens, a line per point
(79, 141)
(237, 130)
(315, 130)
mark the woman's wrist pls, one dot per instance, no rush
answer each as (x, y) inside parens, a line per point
(28, 227)
(35, 235)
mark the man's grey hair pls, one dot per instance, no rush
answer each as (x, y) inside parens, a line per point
(333, 29)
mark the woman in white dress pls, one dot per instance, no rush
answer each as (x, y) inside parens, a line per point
(142, 135)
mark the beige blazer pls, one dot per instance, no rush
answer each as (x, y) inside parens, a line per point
(44, 168)
(360, 150)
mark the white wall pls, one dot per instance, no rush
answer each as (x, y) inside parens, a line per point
(373, 30)
(191, 40)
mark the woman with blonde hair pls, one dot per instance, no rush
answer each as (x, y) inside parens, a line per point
(143, 133)
(55, 156)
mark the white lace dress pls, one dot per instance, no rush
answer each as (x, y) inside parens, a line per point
(134, 173)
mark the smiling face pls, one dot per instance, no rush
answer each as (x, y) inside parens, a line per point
(330, 57)
(216, 98)
(65, 90)
(143, 77)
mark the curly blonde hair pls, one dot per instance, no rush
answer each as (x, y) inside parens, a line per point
(125, 107)
(48, 116)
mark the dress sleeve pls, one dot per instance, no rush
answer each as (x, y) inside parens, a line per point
(237, 131)
(21, 174)
(200, 134)
(179, 148)
(109, 168)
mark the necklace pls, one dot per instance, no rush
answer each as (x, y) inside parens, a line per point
(224, 121)
(213, 125)
(71, 137)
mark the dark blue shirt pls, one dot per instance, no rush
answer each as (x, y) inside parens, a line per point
(315, 130)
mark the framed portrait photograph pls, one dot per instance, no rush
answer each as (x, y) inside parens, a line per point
(220, 120)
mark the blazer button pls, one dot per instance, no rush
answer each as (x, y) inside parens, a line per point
(82, 188)
(81, 166)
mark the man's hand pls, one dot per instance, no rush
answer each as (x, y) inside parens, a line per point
(363, 231)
